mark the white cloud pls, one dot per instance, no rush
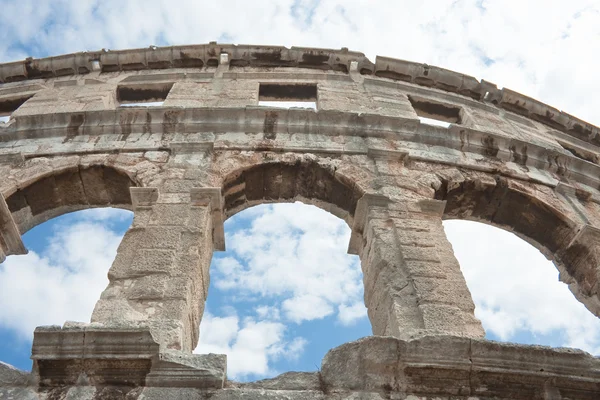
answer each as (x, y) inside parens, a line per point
(349, 314)
(250, 345)
(517, 290)
(297, 253)
(268, 312)
(306, 307)
(108, 214)
(298, 257)
(62, 283)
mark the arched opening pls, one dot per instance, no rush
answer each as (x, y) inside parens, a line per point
(72, 236)
(538, 217)
(284, 293)
(61, 277)
(305, 181)
(510, 207)
(52, 195)
(286, 281)
(516, 290)
(524, 233)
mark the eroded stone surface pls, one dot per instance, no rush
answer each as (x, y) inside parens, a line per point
(433, 367)
(456, 366)
(94, 355)
(210, 151)
(11, 376)
(286, 381)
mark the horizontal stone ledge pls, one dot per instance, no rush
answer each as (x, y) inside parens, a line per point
(455, 145)
(185, 56)
(108, 148)
(165, 120)
(455, 366)
(79, 341)
(386, 69)
(119, 356)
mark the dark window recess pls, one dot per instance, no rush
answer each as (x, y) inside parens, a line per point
(137, 94)
(10, 104)
(287, 92)
(431, 110)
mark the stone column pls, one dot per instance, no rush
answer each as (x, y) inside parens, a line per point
(160, 276)
(10, 237)
(413, 282)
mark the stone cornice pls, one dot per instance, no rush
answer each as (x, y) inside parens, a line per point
(343, 60)
(457, 145)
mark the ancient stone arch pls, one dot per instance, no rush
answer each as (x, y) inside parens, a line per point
(210, 150)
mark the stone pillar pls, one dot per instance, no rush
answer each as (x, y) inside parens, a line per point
(413, 282)
(160, 276)
(10, 237)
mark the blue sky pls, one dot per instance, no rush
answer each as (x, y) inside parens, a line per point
(283, 310)
(285, 291)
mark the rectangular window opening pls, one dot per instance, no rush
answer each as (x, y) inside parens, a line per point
(4, 118)
(434, 122)
(432, 112)
(142, 104)
(147, 95)
(284, 95)
(289, 104)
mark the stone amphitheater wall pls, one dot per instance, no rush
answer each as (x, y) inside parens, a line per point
(209, 149)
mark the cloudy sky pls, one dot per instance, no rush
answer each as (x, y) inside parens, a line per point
(285, 291)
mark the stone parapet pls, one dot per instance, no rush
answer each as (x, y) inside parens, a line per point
(249, 56)
(461, 368)
(372, 368)
(94, 355)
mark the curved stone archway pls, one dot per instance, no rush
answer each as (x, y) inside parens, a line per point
(66, 191)
(35, 193)
(304, 180)
(365, 154)
(549, 220)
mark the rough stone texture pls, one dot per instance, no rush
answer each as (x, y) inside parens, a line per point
(177, 369)
(210, 151)
(286, 381)
(98, 356)
(10, 376)
(160, 274)
(455, 366)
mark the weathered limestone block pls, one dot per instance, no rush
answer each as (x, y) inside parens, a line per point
(18, 393)
(13, 377)
(578, 264)
(70, 98)
(460, 368)
(214, 93)
(94, 355)
(160, 275)
(10, 237)
(176, 369)
(413, 282)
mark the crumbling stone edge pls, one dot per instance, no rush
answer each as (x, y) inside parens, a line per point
(383, 366)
